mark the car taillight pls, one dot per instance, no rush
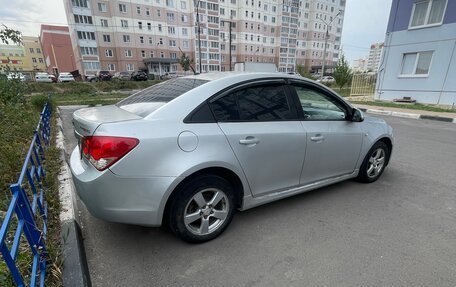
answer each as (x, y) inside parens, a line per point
(104, 151)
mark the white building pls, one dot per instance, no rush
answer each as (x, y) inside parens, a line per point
(375, 55)
(420, 53)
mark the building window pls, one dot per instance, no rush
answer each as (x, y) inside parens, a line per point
(141, 39)
(107, 38)
(91, 51)
(150, 40)
(104, 22)
(79, 3)
(172, 43)
(138, 10)
(143, 53)
(169, 3)
(31, 51)
(416, 64)
(128, 53)
(41, 60)
(38, 50)
(185, 31)
(183, 5)
(82, 19)
(149, 26)
(170, 16)
(126, 38)
(160, 29)
(102, 7)
(111, 67)
(124, 23)
(34, 60)
(130, 67)
(108, 53)
(158, 13)
(91, 65)
(171, 30)
(185, 44)
(83, 35)
(147, 11)
(140, 25)
(428, 12)
(123, 8)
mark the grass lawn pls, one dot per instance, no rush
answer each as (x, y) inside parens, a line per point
(16, 127)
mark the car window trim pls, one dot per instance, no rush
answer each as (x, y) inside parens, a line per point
(347, 108)
(253, 83)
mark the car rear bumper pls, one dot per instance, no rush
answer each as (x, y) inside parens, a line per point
(114, 198)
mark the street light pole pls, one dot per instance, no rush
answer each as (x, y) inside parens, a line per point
(326, 43)
(199, 34)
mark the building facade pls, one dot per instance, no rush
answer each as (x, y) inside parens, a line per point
(27, 59)
(375, 55)
(360, 65)
(57, 49)
(153, 34)
(420, 53)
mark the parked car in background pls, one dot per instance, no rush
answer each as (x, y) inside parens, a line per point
(15, 75)
(121, 76)
(65, 77)
(103, 76)
(139, 76)
(190, 151)
(327, 80)
(44, 78)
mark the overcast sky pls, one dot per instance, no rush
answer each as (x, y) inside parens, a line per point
(365, 21)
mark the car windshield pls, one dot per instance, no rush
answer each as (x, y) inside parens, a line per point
(148, 100)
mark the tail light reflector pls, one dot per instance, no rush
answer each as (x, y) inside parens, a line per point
(104, 151)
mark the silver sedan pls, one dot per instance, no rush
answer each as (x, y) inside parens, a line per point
(190, 151)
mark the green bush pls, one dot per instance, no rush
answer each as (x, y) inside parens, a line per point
(39, 101)
(34, 87)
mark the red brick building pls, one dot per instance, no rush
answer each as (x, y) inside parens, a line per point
(57, 49)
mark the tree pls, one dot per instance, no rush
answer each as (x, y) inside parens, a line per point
(300, 69)
(8, 35)
(185, 61)
(342, 72)
(12, 90)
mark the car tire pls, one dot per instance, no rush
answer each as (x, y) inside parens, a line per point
(193, 214)
(374, 163)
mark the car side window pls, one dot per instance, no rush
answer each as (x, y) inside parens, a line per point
(319, 106)
(256, 103)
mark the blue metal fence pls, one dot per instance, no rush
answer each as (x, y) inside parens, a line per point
(27, 210)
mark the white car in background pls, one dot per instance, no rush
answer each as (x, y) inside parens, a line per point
(327, 80)
(13, 76)
(43, 78)
(65, 77)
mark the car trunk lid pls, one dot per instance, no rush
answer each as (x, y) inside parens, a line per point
(87, 120)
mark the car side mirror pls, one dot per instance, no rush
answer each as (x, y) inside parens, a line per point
(357, 115)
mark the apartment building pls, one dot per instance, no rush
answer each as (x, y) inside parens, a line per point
(152, 34)
(34, 53)
(375, 56)
(419, 60)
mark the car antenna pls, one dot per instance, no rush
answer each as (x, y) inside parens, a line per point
(191, 67)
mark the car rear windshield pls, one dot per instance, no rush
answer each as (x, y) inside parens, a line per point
(148, 100)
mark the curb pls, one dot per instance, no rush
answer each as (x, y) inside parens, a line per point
(408, 115)
(75, 270)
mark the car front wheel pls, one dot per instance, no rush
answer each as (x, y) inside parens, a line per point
(374, 163)
(202, 209)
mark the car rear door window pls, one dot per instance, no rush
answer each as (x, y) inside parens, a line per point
(256, 103)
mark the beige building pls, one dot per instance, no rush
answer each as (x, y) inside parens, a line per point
(34, 54)
(150, 34)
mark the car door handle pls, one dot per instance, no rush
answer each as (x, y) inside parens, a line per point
(249, 141)
(317, 138)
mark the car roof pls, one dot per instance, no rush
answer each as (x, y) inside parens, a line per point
(251, 75)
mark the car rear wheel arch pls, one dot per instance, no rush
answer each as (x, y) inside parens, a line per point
(222, 172)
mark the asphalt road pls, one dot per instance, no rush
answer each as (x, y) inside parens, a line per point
(398, 231)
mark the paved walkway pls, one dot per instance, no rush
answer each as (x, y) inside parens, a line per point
(408, 111)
